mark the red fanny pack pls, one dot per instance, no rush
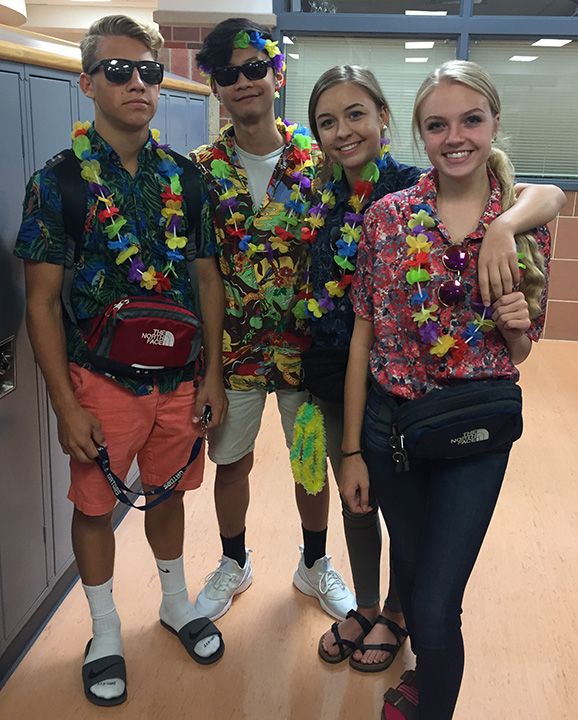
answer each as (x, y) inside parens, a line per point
(143, 336)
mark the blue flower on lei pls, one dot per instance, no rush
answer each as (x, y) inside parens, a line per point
(420, 298)
(471, 334)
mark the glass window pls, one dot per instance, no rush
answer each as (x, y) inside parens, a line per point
(375, 7)
(309, 57)
(538, 103)
(528, 8)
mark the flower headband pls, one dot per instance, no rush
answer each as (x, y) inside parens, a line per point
(242, 40)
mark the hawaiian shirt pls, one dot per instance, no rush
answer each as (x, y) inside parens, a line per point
(98, 280)
(262, 259)
(335, 327)
(381, 293)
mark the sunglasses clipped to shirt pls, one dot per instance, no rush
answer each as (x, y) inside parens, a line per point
(252, 70)
(120, 71)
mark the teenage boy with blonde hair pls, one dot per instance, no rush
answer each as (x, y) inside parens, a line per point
(126, 236)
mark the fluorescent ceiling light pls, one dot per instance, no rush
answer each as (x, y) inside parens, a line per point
(287, 40)
(419, 45)
(426, 12)
(523, 58)
(419, 59)
(92, 1)
(295, 56)
(551, 42)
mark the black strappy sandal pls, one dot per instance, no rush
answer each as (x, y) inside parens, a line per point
(346, 647)
(400, 635)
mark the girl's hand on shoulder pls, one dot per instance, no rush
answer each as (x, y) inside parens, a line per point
(354, 484)
(498, 270)
(511, 315)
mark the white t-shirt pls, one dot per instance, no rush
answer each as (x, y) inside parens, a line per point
(259, 169)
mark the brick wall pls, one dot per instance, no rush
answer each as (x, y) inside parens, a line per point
(562, 315)
(178, 55)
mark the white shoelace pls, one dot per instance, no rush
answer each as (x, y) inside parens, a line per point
(330, 581)
(221, 580)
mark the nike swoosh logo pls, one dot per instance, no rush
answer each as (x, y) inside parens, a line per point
(194, 636)
(165, 571)
(94, 674)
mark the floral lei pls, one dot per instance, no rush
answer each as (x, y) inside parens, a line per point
(309, 453)
(242, 40)
(237, 203)
(346, 247)
(419, 241)
(127, 245)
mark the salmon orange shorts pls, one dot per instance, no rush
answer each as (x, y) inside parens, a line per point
(156, 429)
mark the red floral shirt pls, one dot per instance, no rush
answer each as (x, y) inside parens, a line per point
(381, 293)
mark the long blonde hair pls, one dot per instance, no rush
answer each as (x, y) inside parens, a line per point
(471, 74)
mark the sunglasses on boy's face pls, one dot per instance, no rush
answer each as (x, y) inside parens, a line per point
(253, 70)
(120, 71)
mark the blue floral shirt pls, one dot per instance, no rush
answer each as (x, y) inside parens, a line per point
(336, 326)
(98, 280)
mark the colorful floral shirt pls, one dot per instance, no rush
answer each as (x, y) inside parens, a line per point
(98, 280)
(381, 293)
(335, 327)
(262, 259)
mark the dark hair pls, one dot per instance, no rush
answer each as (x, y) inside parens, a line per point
(354, 74)
(118, 26)
(218, 45)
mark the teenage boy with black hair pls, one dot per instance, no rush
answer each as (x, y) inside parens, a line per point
(259, 174)
(133, 207)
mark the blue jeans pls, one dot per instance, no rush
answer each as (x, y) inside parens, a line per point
(437, 515)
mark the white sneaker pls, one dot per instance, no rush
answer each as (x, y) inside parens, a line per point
(222, 585)
(326, 584)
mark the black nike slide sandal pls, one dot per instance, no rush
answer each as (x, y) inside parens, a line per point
(111, 667)
(195, 631)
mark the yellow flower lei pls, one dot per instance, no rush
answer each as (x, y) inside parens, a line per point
(309, 452)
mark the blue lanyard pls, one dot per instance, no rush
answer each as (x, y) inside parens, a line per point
(163, 491)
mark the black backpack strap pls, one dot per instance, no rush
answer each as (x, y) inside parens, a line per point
(192, 196)
(66, 168)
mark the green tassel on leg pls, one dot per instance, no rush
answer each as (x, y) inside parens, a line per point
(309, 451)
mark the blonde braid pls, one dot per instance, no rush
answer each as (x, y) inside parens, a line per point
(534, 274)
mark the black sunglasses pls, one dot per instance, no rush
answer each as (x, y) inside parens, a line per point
(120, 71)
(253, 70)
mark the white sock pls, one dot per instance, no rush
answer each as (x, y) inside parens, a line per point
(176, 609)
(106, 639)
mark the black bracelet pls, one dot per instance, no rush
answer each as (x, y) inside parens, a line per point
(355, 452)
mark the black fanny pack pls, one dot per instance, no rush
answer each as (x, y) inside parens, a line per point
(455, 422)
(323, 371)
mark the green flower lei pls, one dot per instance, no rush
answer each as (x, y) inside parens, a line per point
(345, 248)
(127, 245)
(236, 201)
(419, 241)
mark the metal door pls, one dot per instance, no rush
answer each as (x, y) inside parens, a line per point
(23, 564)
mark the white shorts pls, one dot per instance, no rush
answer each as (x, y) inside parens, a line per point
(236, 437)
